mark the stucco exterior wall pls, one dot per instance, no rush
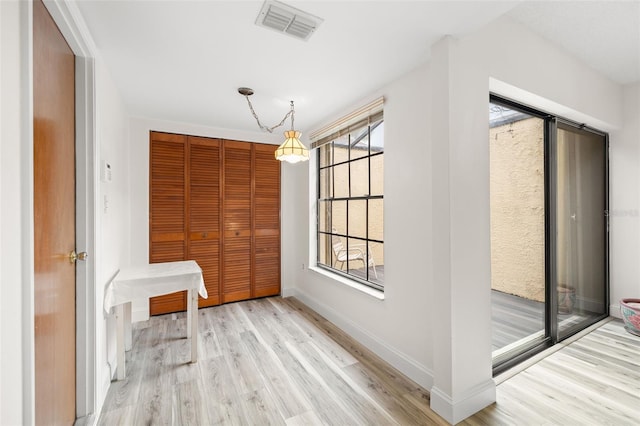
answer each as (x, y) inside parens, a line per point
(517, 208)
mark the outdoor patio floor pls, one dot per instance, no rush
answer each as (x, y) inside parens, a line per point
(514, 318)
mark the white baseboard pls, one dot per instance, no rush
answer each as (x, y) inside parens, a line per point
(92, 420)
(289, 292)
(614, 311)
(469, 403)
(405, 364)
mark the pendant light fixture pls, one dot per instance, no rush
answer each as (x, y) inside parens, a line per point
(291, 150)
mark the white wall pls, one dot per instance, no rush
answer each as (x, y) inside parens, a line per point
(624, 208)
(435, 321)
(16, 276)
(112, 223)
(396, 327)
(139, 184)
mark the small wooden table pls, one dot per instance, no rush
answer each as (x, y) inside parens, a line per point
(145, 281)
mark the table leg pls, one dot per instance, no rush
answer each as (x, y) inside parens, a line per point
(128, 339)
(189, 311)
(194, 324)
(120, 371)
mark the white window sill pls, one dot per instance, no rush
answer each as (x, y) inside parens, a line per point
(351, 283)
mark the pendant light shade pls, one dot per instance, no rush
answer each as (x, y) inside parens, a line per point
(292, 150)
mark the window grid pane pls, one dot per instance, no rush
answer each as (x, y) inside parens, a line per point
(341, 150)
(325, 153)
(341, 181)
(359, 144)
(359, 181)
(357, 218)
(350, 205)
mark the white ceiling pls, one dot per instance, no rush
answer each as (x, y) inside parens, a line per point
(184, 60)
(603, 34)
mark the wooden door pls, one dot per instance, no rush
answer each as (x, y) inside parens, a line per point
(54, 221)
(204, 174)
(167, 210)
(237, 221)
(266, 223)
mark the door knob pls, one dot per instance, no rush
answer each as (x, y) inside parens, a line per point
(73, 256)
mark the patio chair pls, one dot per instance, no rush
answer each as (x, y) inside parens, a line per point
(355, 252)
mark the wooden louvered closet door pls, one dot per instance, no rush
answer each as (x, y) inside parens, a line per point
(167, 208)
(236, 276)
(266, 224)
(218, 203)
(204, 213)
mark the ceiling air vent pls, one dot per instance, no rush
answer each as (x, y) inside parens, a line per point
(287, 19)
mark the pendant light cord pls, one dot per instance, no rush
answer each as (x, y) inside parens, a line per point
(270, 129)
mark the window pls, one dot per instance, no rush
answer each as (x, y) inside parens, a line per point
(350, 202)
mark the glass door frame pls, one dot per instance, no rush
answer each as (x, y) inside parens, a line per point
(551, 331)
(552, 293)
(516, 355)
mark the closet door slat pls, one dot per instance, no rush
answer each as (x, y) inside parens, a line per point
(266, 232)
(167, 190)
(204, 213)
(236, 276)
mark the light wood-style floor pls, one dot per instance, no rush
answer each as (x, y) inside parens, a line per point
(270, 361)
(594, 380)
(275, 361)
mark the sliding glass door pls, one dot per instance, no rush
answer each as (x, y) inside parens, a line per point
(518, 246)
(581, 227)
(549, 237)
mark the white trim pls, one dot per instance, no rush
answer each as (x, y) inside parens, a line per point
(26, 194)
(69, 20)
(377, 294)
(614, 310)
(410, 367)
(312, 171)
(289, 292)
(85, 238)
(455, 410)
(509, 91)
(356, 115)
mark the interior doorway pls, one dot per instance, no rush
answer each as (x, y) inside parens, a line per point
(549, 235)
(54, 168)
